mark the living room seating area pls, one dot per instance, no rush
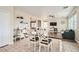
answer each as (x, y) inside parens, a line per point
(69, 34)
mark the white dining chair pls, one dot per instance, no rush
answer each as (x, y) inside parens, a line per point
(45, 42)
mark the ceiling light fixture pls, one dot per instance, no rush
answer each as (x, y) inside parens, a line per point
(65, 7)
(51, 16)
(19, 17)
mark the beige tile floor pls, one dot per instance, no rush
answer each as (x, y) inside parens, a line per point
(70, 46)
(23, 46)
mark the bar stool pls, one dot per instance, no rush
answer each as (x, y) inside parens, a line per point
(34, 40)
(46, 43)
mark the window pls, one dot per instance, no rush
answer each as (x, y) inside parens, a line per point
(45, 25)
(72, 22)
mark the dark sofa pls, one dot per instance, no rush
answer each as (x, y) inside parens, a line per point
(69, 34)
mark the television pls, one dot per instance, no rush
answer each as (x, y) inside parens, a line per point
(53, 23)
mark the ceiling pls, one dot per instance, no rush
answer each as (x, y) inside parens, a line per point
(44, 11)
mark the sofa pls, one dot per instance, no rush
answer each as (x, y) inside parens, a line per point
(69, 34)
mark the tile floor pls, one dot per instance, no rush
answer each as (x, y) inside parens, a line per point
(70, 46)
(23, 46)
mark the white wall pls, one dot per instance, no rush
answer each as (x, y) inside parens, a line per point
(77, 30)
(7, 24)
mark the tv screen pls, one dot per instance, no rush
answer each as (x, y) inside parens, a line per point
(53, 23)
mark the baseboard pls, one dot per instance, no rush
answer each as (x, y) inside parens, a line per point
(4, 46)
(77, 41)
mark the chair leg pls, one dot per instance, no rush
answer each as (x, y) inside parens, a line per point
(39, 48)
(60, 46)
(34, 47)
(51, 47)
(48, 48)
(29, 45)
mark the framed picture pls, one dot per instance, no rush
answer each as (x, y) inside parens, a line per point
(33, 24)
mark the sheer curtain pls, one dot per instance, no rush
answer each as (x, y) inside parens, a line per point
(72, 22)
